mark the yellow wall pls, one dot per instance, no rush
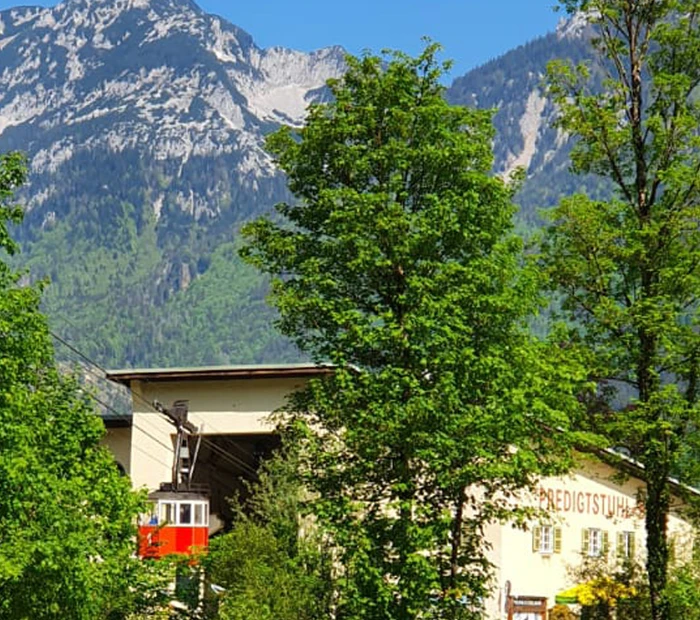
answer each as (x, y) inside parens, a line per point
(232, 406)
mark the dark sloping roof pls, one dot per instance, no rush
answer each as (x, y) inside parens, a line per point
(633, 468)
(209, 373)
(117, 421)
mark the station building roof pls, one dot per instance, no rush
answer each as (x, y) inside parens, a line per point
(210, 373)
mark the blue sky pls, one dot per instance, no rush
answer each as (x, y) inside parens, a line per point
(472, 31)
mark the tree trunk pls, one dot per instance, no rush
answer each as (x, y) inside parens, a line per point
(657, 509)
(405, 545)
(456, 540)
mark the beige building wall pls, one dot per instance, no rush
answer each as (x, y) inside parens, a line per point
(118, 441)
(231, 406)
(593, 496)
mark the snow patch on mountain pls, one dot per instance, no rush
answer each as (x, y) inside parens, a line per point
(7, 40)
(222, 101)
(158, 206)
(24, 15)
(51, 159)
(46, 20)
(22, 108)
(224, 41)
(289, 77)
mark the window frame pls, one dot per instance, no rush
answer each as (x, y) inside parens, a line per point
(627, 540)
(188, 508)
(595, 542)
(176, 510)
(203, 509)
(163, 508)
(546, 539)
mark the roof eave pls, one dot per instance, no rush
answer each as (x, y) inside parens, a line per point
(216, 373)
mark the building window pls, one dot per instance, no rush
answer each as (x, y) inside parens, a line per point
(546, 539)
(594, 542)
(625, 544)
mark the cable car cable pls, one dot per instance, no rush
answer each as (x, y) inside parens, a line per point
(214, 447)
(231, 458)
(127, 417)
(237, 461)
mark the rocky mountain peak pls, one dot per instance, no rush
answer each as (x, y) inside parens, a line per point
(573, 27)
(158, 77)
(119, 6)
(144, 125)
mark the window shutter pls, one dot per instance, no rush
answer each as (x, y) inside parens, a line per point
(606, 541)
(620, 544)
(632, 545)
(557, 540)
(585, 541)
(536, 538)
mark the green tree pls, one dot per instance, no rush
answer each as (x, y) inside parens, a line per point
(684, 589)
(67, 518)
(272, 565)
(398, 265)
(628, 268)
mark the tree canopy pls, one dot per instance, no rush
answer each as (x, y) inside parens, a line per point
(628, 268)
(398, 265)
(67, 517)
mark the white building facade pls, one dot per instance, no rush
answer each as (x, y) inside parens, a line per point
(595, 511)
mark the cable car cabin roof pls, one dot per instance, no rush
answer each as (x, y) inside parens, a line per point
(178, 496)
(209, 373)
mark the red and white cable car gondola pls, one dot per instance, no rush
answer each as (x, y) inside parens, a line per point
(178, 523)
(178, 519)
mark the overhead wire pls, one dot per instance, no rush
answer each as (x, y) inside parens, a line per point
(229, 441)
(215, 448)
(118, 415)
(126, 417)
(153, 458)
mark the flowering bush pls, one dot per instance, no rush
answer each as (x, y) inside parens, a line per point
(561, 612)
(604, 589)
(607, 588)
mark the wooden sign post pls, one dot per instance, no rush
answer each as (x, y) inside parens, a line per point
(527, 608)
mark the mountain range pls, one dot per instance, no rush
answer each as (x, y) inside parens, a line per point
(143, 122)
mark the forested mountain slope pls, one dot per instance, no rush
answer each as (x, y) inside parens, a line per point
(144, 121)
(513, 85)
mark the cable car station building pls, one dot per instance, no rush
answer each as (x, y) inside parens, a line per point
(230, 406)
(595, 511)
